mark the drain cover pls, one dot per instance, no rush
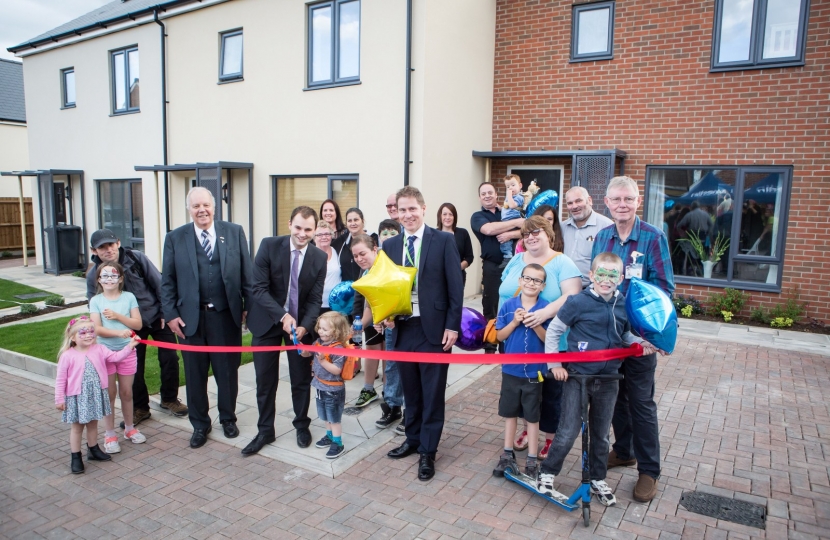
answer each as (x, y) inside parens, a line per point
(352, 411)
(29, 296)
(706, 504)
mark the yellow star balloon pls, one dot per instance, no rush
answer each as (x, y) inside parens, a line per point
(387, 287)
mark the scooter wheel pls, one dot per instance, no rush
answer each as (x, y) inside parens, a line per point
(586, 516)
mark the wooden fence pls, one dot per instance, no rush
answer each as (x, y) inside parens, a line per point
(10, 238)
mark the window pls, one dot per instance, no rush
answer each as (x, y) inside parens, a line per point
(740, 210)
(67, 88)
(230, 56)
(125, 96)
(121, 210)
(759, 34)
(334, 43)
(592, 32)
(291, 192)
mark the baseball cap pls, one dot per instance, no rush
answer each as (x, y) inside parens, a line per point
(101, 237)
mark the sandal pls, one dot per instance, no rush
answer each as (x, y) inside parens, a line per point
(544, 453)
(521, 442)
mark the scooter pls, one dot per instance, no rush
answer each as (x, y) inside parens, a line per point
(583, 492)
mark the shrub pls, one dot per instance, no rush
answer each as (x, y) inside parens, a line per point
(781, 322)
(727, 316)
(791, 309)
(79, 273)
(731, 300)
(54, 300)
(7, 255)
(681, 302)
(687, 311)
(28, 308)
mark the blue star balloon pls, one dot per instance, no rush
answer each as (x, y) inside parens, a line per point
(341, 298)
(546, 197)
(651, 314)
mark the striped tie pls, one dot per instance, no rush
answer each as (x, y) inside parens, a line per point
(206, 244)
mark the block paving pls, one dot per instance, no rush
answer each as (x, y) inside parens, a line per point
(736, 420)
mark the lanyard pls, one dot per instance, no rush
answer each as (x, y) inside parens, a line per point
(417, 258)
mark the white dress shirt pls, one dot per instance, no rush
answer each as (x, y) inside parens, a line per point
(419, 236)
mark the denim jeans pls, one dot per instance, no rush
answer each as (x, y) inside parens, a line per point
(602, 395)
(330, 405)
(635, 416)
(392, 389)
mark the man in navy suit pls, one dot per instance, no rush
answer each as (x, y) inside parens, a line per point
(433, 326)
(206, 288)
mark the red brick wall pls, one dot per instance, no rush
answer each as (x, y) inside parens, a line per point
(657, 101)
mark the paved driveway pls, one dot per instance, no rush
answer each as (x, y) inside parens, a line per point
(737, 420)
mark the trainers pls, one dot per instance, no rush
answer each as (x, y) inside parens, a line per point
(505, 460)
(335, 450)
(521, 442)
(616, 461)
(390, 416)
(401, 429)
(603, 492)
(544, 453)
(645, 489)
(532, 469)
(139, 415)
(544, 484)
(111, 445)
(325, 442)
(176, 408)
(366, 397)
(135, 436)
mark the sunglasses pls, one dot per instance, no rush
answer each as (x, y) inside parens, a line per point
(534, 232)
(536, 281)
(388, 206)
(83, 332)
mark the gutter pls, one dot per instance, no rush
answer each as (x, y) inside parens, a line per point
(163, 35)
(408, 98)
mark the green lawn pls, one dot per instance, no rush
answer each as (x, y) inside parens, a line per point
(8, 289)
(43, 339)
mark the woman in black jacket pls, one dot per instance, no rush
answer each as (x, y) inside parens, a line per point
(448, 221)
(349, 270)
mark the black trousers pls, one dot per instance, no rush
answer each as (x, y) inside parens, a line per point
(491, 276)
(215, 328)
(424, 388)
(168, 362)
(267, 368)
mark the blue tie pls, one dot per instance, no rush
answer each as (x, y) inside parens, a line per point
(410, 249)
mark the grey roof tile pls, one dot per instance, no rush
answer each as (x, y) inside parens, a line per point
(12, 99)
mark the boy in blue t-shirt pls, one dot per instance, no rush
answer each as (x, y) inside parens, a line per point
(521, 389)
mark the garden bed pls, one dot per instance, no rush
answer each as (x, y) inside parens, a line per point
(38, 313)
(809, 326)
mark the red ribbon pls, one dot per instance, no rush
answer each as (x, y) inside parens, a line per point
(427, 358)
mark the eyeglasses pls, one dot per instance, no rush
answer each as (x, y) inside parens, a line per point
(86, 332)
(602, 275)
(616, 200)
(536, 281)
(323, 235)
(105, 278)
(389, 232)
(534, 232)
(388, 206)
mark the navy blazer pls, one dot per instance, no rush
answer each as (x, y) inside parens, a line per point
(441, 289)
(180, 273)
(272, 268)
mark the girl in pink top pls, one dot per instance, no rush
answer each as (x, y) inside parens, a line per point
(81, 386)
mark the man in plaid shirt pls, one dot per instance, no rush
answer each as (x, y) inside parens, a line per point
(635, 415)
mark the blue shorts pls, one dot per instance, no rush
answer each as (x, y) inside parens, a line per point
(330, 405)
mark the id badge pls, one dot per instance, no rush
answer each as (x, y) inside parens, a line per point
(634, 271)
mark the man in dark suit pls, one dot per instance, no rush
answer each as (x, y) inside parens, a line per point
(206, 288)
(433, 326)
(289, 274)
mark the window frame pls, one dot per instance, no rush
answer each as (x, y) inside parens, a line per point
(333, 80)
(231, 77)
(786, 172)
(101, 223)
(756, 41)
(65, 103)
(329, 195)
(126, 82)
(576, 12)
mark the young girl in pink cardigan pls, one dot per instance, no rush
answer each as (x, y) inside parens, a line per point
(81, 386)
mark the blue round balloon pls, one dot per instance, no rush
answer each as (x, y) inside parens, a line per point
(341, 298)
(651, 314)
(546, 197)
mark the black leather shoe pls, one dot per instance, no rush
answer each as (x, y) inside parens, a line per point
(94, 453)
(199, 437)
(77, 463)
(402, 451)
(256, 445)
(230, 429)
(303, 437)
(426, 468)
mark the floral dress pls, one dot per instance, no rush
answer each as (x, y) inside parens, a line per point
(93, 403)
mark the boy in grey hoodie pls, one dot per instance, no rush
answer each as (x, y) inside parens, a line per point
(597, 320)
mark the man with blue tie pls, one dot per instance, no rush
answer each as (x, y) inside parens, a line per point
(432, 328)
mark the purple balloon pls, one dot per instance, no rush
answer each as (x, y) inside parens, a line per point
(471, 337)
